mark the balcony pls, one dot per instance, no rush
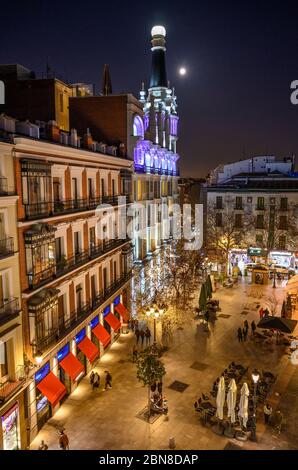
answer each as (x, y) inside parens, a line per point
(80, 314)
(9, 310)
(6, 247)
(65, 265)
(67, 206)
(260, 207)
(238, 207)
(3, 186)
(11, 386)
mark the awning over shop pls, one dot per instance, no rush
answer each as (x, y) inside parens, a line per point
(52, 388)
(102, 334)
(72, 366)
(113, 321)
(122, 311)
(89, 349)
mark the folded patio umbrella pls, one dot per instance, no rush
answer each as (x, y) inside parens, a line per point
(284, 325)
(220, 399)
(203, 298)
(231, 400)
(243, 404)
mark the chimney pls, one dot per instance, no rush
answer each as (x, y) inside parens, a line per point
(53, 131)
(88, 141)
(122, 150)
(106, 81)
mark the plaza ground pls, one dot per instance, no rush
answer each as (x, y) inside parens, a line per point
(107, 420)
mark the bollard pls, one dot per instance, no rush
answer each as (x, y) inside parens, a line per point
(172, 443)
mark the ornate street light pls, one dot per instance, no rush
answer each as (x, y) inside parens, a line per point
(255, 378)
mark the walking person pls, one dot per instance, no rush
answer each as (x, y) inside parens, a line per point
(108, 381)
(267, 413)
(261, 313)
(148, 335)
(96, 381)
(244, 334)
(137, 333)
(278, 420)
(91, 378)
(142, 335)
(239, 334)
(43, 446)
(246, 326)
(253, 328)
(63, 440)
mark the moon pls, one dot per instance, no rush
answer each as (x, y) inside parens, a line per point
(182, 71)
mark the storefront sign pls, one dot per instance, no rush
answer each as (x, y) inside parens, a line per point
(63, 352)
(116, 300)
(42, 373)
(256, 252)
(80, 336)
(94, 322)
(106, 311)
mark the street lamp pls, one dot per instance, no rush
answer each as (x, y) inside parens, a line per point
(255, 378)
(274, 278)
(155, 313)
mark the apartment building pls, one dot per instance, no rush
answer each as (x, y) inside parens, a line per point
(12, 373)
(75, 270)
(260, 210)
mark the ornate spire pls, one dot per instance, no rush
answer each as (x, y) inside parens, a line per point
(158, 69)
(106, 81)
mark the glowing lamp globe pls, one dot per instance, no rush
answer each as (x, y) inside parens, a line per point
(158, 31)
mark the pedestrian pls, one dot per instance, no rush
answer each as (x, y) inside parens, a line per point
(142, 335)
(137, 333)
(96, 381)
(148, 335)
(253, 328)
(239, 335)
(134, 353)
(244, 334)
(278, 420)
(108, 381)
(246, 325)
(267, 413)
(159, 387)
(63, 440)
(43, 446)
(261, 312)
(92, 378)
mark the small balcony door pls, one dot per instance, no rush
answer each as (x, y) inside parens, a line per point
(74, 189)
(93, 287)
(105, 279)
(79, 297)
(56, 189)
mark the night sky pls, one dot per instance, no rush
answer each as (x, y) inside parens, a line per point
(241, 58)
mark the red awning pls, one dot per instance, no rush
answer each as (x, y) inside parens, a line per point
(113, 321)
(102, 334)
(72, 366)
(52, 388)
(122, 311)
(89, 349)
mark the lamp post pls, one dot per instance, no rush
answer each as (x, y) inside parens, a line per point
(274, 278)
(155, 313)
(255, 378)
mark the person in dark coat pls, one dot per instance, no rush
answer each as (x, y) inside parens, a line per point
(246, 325)
(239, 334)
(142, 335)
(253, 328)
(137, 333)
(108, 380)
(92, 378)
(148, 335)
(244, 334)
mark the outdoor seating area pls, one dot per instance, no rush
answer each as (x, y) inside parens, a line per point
(237, 374)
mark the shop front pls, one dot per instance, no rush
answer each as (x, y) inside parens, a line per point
(285, 259)
(256, 255)
(11, 432)
(99, 335)
(111, 322)
(238, 259)
(120, 309)
(50, 391)
(86, 350)
(71, 370)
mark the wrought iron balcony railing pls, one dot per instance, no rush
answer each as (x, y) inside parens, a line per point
(65, 326)
(42, 209)
(9, 310)
(65, 265)
(6, 247)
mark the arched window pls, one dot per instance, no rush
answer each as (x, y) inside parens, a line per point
(138, 126)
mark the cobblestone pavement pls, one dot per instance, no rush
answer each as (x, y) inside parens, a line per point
(107, 420)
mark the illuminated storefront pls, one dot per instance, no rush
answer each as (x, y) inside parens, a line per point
(11, 429)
